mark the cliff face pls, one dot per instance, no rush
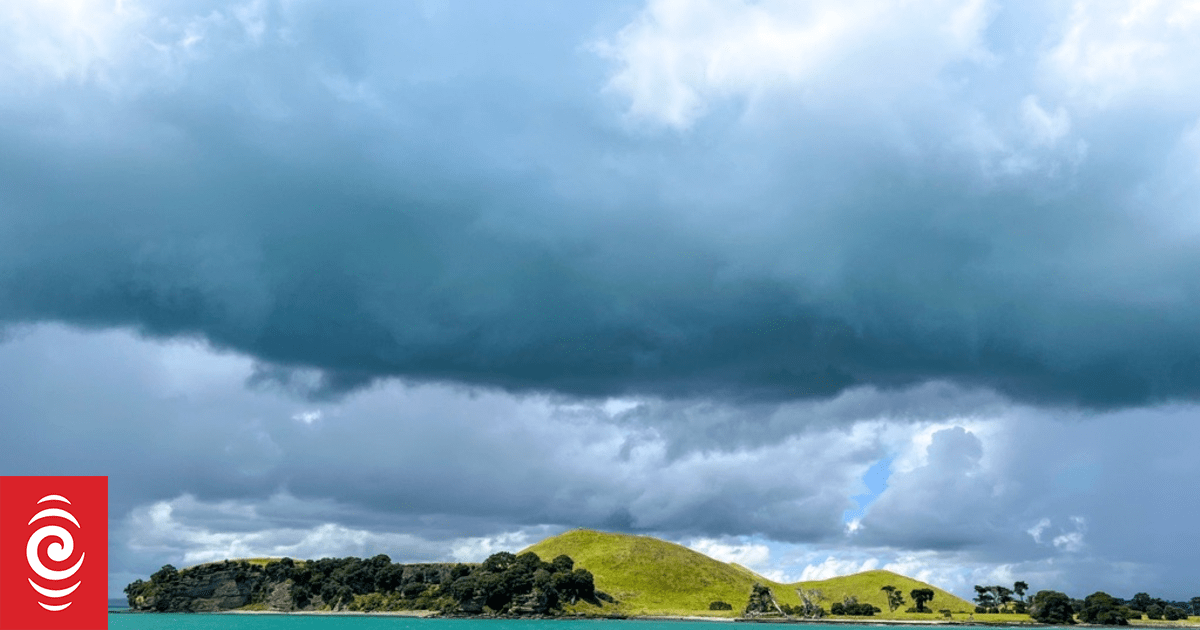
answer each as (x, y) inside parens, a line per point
(206, 588)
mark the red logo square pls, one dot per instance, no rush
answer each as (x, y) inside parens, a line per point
(53, 553)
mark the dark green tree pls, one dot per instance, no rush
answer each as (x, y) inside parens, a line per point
(1052, 607)
(1004, 596)
(920, 596)
(164, 575)
(1141, 601)
(984, 598)
(1103, 609)
(1174, 613)
(563, 564)
(1019, 588)
(498, 562)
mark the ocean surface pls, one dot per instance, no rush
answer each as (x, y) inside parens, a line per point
(163, 621)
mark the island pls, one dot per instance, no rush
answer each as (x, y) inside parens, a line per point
(587, 573)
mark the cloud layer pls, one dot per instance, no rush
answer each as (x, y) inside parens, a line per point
(745, 201)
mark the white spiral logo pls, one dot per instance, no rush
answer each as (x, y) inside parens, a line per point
(59, 551)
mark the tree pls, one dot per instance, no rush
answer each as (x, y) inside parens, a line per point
(1004, 596)
(1195, 602)
(1174, 613)
(1102, 609)
(894, 596)
(166, 574)
(809, 597)
(985, 598)
(920, 596)
(1052, 607)
(1019, 588)
(563, 564)
(498, 562)
(1141, 602)
(762, 602)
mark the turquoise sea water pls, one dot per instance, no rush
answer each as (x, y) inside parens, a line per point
(158, 621)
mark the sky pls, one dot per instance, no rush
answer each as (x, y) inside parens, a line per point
(816, 287)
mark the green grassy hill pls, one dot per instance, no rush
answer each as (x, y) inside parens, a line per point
(649, 576)
(865, 586)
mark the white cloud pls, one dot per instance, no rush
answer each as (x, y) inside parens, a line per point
(1036, 531)
(1045, 127)
(117, 44)
(832, 567)
(1072, 541)
(677, 57)
(308, 417)
(478, 548)
(755, 556)
(187, 531)
(1116, 51)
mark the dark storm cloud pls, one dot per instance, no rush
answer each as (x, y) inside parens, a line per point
(448, 193)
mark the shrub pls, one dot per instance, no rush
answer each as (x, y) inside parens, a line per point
(719, 605)
(1172, 613)
(1052, 607)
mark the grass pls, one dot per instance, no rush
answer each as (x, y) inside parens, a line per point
(648, 576)
(1190, 621)
(866, 587)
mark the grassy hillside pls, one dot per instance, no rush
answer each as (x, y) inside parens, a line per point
(654, 577)
(865, 586)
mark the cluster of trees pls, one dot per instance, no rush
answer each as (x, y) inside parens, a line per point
(1156, 608)
(503, 584)
(1100, 608)
(507, 583)
(1001, 599)
(851, 606)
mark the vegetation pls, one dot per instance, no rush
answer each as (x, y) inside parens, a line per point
(1000, 599)
(850, 606)
(1105, 610)
(1052, 607)
(895, 598)
(504, 584)
(920, 596)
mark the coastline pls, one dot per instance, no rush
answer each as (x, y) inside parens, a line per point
(865, 621)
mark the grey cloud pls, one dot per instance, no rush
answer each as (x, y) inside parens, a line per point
(166, 421)
(1082, 503)
(379, 195)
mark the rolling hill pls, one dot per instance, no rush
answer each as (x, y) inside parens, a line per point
(649, 576)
